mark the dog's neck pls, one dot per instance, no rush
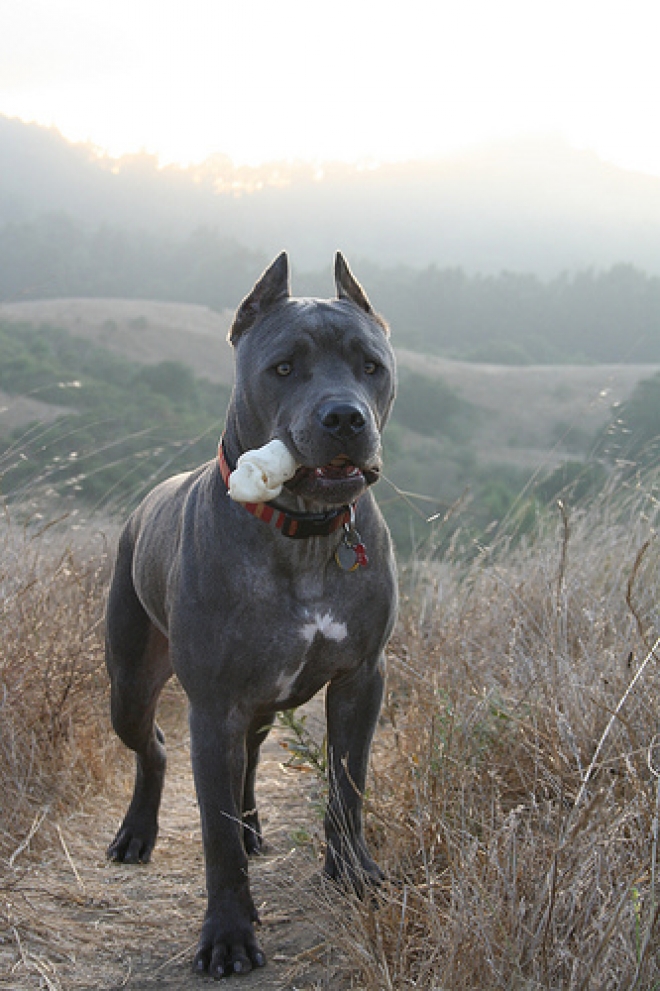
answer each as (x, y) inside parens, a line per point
(294, 523)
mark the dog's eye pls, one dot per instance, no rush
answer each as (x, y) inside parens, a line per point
(284, 368)
(370, 367)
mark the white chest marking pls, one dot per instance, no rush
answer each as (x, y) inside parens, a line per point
(326, 626)
(329, 628)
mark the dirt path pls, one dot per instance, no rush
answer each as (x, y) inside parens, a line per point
(77, 922)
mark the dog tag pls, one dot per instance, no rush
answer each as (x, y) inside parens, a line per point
(351, 553)
(346, 557)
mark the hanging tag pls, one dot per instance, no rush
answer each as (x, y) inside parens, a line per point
(346, 557)
(351, 553)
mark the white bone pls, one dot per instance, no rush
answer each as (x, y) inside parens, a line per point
(260, 474)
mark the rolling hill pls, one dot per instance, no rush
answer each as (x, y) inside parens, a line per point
(525, 416)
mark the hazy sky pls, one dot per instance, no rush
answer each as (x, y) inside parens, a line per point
(347, 79)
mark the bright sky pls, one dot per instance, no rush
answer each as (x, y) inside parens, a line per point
(348, 79)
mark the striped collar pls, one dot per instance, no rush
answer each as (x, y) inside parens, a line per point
(295, 525)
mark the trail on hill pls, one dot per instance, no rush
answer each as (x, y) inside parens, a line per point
(77, 922)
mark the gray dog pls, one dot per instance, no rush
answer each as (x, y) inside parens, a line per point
(255, 607)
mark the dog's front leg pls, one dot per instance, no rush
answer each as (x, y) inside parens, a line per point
(227, 943)
(352, 707)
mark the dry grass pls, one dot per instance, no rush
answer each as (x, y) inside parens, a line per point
(52, 680)
(516, 792)
(515, 795)
(54, 743)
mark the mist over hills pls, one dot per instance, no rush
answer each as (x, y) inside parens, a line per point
(518, 254)
(525, 254)
(533, 205)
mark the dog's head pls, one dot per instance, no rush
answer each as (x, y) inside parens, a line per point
(318, 375)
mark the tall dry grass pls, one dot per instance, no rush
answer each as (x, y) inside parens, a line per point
(516, 791)
(53, 722)
(515, 794)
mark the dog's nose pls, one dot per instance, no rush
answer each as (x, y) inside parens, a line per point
(342, 419)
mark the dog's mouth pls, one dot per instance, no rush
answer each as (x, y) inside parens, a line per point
(340, 479)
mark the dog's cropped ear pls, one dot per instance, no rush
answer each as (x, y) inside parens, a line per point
(272, 287)
(349, 288)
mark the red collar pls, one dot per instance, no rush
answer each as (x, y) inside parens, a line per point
(295, 525)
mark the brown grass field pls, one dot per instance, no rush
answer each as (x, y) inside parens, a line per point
(513, 802)
(514, 795)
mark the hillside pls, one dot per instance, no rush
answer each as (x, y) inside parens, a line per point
(144, 331)
(523, 413)
(536, 414)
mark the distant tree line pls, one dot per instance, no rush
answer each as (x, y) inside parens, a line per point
(516, 318)
(609, 316)
(56, 256)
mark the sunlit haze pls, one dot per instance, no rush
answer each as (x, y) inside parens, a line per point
(354, 80)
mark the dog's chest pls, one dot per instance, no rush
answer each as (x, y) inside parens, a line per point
(280, 630)
(319, 645)
(318, 631)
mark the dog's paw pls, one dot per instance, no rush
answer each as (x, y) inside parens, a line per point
(352, 869)
(133, 844)
(227, 946)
